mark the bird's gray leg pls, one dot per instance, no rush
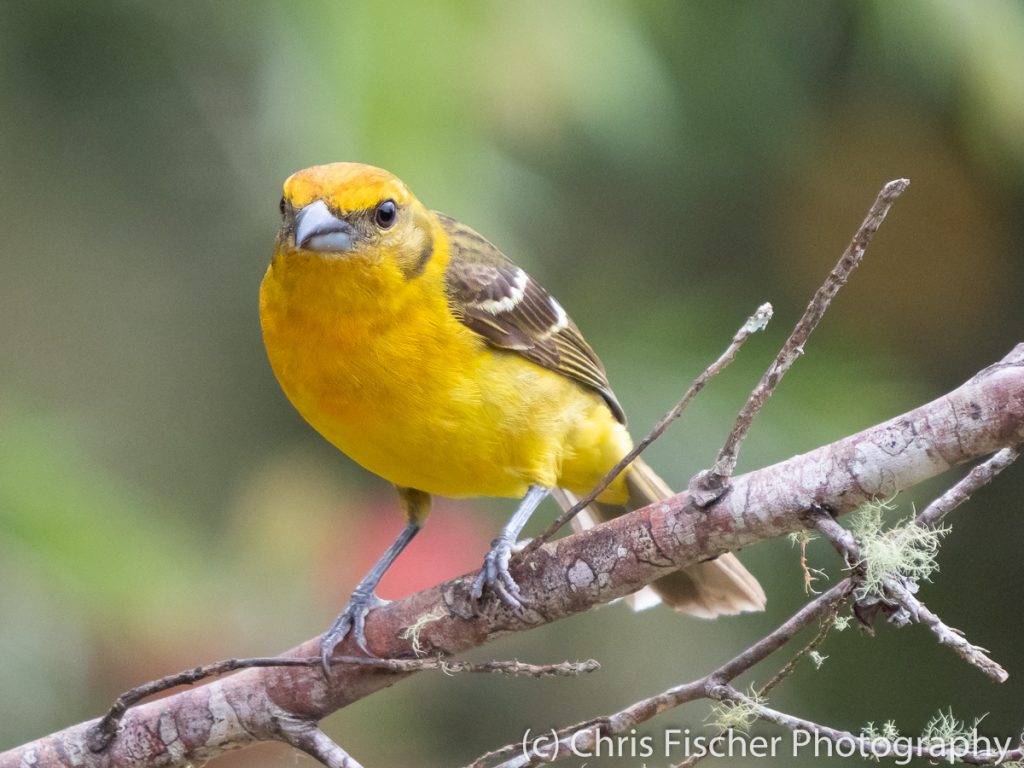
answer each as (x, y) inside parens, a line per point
(494, 575)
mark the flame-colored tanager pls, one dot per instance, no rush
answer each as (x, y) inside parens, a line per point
(416, 347)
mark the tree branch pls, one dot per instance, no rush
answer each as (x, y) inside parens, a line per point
(563, 578)
(104, 731)
(901, 592)
(711, 483)
(580, 739)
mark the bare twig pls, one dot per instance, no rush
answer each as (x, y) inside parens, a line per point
(946, 635)
(824, 627)
(710, 484)
(933, 515)
(828, 601)
(756, 322)
(841, 538)
(511, 668)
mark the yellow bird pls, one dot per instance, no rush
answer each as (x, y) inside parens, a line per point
(416, 347)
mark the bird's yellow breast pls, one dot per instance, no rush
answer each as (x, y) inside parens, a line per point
(376, 363)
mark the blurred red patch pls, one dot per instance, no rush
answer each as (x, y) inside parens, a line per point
(454, 541)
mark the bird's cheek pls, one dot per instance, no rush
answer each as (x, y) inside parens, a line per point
(414, 254)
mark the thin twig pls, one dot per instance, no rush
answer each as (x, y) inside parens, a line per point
(829, 600)
(577, 736)
(756, 322)
(824, 627)
(841, 539)
(710, 484)
(513, 668)
(949, 636)
(103, 732)
(825, 624)
(933, 515)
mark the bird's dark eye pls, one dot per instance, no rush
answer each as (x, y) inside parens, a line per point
(385, 214)
(282, 206)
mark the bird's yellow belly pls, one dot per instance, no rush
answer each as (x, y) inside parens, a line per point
(393, 399)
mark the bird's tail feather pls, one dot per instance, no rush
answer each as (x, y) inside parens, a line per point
(708, 589)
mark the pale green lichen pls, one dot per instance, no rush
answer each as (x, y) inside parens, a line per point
(944, 728)
(731, 714)
(412, 632)
(817, 659)
(839, 623)
(887, 731)
(802, 538)
(905, 551)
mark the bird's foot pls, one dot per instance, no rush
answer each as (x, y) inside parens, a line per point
(495, 574)
(352, 619)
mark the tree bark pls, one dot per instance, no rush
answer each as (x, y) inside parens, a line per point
(563, 578)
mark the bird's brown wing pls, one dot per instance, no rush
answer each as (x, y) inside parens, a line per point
(496, 299)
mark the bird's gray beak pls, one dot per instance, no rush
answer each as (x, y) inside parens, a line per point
(317, 229)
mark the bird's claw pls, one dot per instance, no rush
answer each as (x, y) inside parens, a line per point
(352, 619)
(495, 575)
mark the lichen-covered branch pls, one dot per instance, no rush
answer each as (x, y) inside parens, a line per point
(875, 746)
(566, 577)
(579, 739)
(898, 591)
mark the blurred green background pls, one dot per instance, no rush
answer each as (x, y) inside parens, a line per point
(663, 167)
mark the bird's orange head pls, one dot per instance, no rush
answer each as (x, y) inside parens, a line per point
(355, 211)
